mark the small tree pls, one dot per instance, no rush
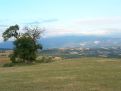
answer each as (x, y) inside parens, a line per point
(25, 45)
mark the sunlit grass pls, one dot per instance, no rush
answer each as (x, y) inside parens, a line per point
(85, 74)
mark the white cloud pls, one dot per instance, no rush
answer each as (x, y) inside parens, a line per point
(96, 42)
(1, 39)
(82, 44)
(60, 32)
(88, 26)
(99, 20)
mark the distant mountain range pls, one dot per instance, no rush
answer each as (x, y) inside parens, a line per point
(72, 42)
(6, 45)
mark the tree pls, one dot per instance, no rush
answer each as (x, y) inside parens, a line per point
(25, 49)
(25, 45)
(12, 31)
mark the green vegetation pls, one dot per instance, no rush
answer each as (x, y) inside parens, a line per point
(44, 59)
(25, 44)
(84, 74)
(8, 65)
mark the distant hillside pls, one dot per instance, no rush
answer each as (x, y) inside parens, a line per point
(6, 45)
(73, 41)
(80, 41)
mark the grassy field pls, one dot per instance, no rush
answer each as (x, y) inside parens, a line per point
(84, 74)
(4, 60)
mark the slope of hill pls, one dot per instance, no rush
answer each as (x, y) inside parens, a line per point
(84, 74)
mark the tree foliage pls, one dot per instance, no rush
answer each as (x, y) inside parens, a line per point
(12, 31)
(25, 45)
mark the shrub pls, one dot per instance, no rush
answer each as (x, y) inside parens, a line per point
(8, 65)
(57, 58)
(39, 59)
(44, 59)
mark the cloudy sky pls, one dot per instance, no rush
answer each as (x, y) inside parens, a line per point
(64, 17)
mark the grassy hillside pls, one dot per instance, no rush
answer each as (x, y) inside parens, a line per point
(85, 74)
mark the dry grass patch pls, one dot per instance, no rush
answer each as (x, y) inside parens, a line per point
(4, 60)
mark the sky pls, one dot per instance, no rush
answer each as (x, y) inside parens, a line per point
(64, 17)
